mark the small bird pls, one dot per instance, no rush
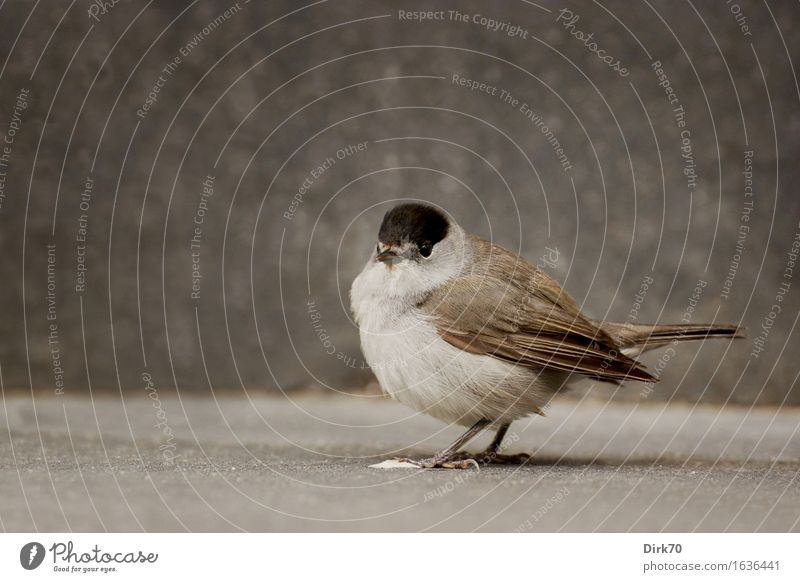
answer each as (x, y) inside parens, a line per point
(473, 334)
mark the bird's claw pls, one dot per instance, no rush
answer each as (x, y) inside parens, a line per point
(490, 458)
(442, 463)
(464, 460)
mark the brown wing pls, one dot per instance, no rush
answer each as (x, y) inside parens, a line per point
(507, 309)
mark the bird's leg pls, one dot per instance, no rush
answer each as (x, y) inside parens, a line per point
(449, 457)
(492, 453)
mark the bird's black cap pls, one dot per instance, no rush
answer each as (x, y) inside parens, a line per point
(418, 223)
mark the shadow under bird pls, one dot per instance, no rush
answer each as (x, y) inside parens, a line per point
(473, 334)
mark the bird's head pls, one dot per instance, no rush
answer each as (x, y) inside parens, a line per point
(411, 232)
(419, 247)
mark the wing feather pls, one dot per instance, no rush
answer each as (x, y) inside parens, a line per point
(508, 309)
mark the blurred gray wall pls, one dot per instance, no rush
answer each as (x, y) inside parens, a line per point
(583, 166)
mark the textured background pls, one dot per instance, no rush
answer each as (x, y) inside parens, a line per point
(267, 95)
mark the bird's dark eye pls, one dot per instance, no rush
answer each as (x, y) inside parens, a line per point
(378, 249)
(425, 249)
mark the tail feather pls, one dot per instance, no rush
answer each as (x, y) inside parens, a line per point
(638, 338)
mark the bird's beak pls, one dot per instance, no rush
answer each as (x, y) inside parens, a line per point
(388, 256)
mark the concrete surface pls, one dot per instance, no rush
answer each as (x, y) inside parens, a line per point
(274, 464)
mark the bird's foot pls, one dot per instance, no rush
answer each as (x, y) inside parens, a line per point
(451, 462)
(459, 460)
(494, 458)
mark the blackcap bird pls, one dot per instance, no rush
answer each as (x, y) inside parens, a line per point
(473, 334)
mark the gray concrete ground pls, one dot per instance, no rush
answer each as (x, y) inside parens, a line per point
(270, 463)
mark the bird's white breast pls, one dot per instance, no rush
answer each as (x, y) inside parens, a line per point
(417, 367)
